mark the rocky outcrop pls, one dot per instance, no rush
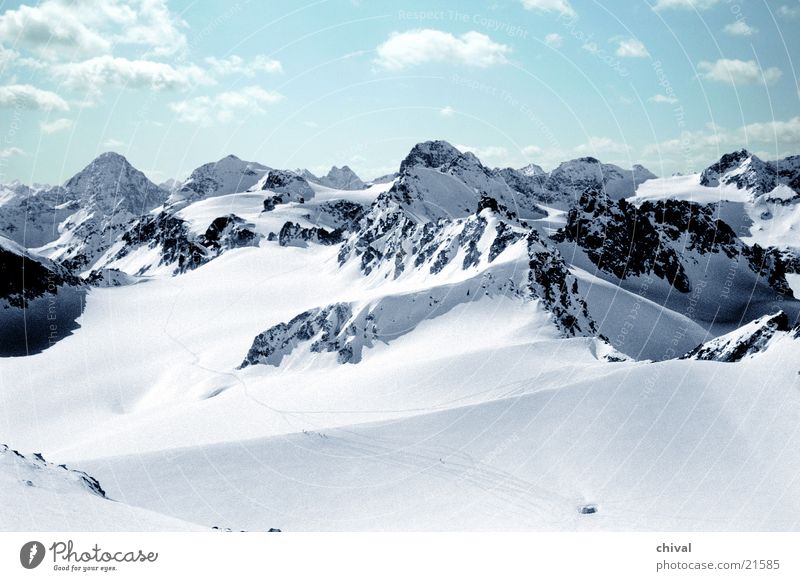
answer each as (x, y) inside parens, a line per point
(747, 341)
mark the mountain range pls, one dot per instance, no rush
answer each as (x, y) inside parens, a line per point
(436, 327)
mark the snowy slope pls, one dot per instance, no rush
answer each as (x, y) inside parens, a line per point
(679, 445)
(40, 496)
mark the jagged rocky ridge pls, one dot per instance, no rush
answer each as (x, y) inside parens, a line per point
(347, 328)
(564, 185)
(747, 171)
(400, 235)
(179, 249)
(338, 178)
(661, 238)
(747, 341)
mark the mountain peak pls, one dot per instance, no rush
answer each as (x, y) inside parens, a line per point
(531, 170)
(111, 156)
(742, 169)
(431, 154)
(110, 182)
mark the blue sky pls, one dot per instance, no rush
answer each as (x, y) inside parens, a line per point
(172, 84)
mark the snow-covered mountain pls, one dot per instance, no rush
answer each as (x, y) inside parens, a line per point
(226, 176)
(747, 172)
(30, 215)
(338, 178)
(680, 253)
(564, 185)
(436, 180)
(570, 179)
(106, 195)
(485, 349)
(758, 199)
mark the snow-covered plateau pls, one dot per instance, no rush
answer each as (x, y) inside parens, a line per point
(451, 347)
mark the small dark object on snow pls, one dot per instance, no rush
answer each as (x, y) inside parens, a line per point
(589, 509)
(274, 531)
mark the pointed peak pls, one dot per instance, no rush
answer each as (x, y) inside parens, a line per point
(431, 154)
(110, 157)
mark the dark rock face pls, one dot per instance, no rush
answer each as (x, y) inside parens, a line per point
(341, 215)
(178, 245)
(40, 301)
(656, 237)
(227, 232)
(749, 340)
(549, 279)
(270, 346)
(273, 201)
(788, 171)
(291, 186)
(180, 248)
(24, 277)
(295, 235)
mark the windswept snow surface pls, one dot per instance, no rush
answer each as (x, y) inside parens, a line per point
(41, 496)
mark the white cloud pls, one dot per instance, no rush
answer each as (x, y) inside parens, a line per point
(236, 65)
(782, 132)
(531, 150)
(563, 7)
(663, 99)
(737, 72)
(224, 107)
(630, 48)
(107, 70)
(10, 152)
(50, 127)
(709, 143)
(447, 111)
(29, 97)
(416, 47)
(685, 4)
(7, 56)
(554, 39)
(488, 153)
(112, 143)
(64, 29)
(789, 11)
(601, 145)
(740, 28)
